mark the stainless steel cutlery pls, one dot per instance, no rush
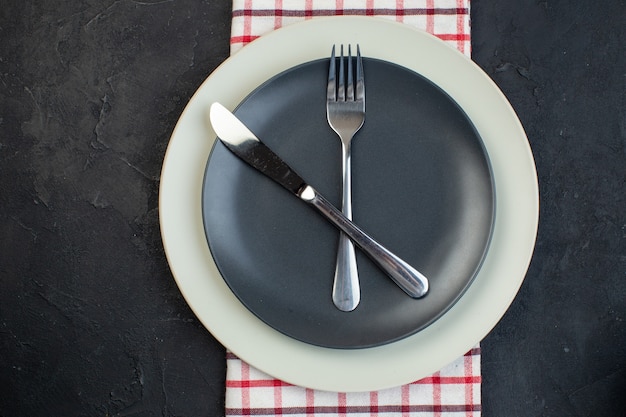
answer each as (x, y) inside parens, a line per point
(345, 111)
(244, 144)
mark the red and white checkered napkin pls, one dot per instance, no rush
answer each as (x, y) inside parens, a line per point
(453, 391)
(449, 20)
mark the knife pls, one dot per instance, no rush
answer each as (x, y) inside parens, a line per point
(244, 144)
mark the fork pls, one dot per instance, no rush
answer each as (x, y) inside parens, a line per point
(345, 111)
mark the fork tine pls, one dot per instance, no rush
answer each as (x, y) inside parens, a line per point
(331, 90)
(350, 84)
(341, 87)
(360, 78)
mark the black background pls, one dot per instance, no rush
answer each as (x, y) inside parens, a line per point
(91, 321)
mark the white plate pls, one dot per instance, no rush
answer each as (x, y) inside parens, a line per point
(406, 360)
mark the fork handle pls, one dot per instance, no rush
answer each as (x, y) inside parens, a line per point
(346, 289)
(404, 275)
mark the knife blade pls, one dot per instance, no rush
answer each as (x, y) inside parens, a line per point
(245, 145)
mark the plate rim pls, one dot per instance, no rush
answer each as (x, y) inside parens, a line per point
(349, 370)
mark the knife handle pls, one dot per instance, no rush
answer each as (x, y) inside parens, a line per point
(404, 275)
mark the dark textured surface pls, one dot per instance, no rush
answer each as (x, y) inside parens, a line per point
(91, 322)
(561, 348)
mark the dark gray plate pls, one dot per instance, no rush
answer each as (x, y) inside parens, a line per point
(422, 186)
